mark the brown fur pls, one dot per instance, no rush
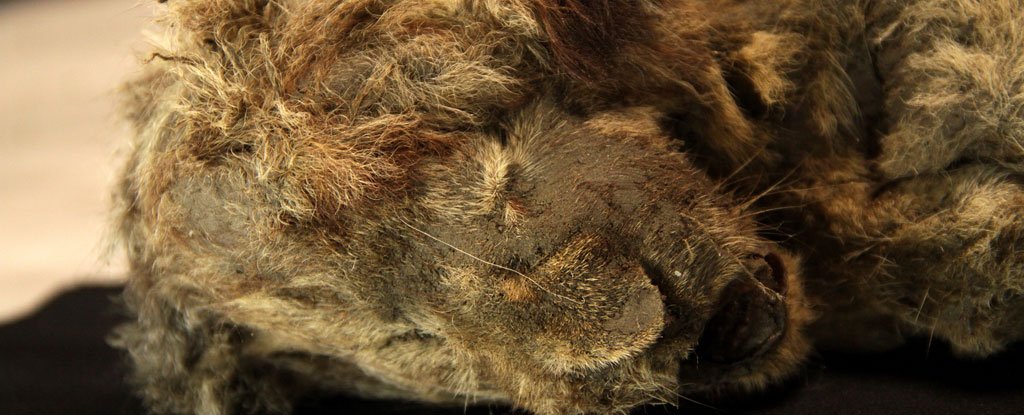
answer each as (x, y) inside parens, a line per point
(563, 205)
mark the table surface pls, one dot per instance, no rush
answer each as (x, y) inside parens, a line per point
(55, 361)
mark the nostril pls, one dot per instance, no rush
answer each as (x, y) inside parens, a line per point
(778, 272)
(769, 270)
(749, 322)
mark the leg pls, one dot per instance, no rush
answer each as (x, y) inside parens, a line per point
(195, 367)
(952, 72)
(953, 260)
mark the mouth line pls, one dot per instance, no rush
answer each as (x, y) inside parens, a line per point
(699, 375)
(705, 374)
(763, 349)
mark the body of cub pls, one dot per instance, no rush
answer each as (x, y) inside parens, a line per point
(566, 206)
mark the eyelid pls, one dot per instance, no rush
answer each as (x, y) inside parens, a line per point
(503, 136)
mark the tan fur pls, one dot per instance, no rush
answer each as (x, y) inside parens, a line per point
(564, 206)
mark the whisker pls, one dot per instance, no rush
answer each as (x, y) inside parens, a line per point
(691, 400)
(773, 209)
(769, 191)
(457, 249)
(921, 306)
(725, 180)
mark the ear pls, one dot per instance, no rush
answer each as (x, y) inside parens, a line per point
(583, 36)
(757, 73)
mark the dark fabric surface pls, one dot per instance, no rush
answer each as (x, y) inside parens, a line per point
(55, 361)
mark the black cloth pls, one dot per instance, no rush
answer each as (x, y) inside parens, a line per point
(56, 361)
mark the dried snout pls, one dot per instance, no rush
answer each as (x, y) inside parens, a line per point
(748, 317)
(751, 315)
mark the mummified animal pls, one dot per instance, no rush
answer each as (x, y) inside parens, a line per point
(565, 206)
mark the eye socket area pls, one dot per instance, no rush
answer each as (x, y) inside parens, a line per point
(502, 133)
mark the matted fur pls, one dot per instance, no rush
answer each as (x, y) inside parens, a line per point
(558, 204)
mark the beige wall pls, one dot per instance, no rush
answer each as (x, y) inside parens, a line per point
(60, 63)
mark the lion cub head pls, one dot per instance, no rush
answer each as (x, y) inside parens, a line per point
(447, 200)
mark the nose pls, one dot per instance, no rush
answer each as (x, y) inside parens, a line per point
(751, 315)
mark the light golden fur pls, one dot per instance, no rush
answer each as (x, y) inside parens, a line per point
(549, 203)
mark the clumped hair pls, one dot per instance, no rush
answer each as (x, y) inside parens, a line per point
(565, 206)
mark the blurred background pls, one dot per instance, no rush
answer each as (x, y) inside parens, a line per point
(61, 62)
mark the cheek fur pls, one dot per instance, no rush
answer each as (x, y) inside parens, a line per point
(582, 309)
